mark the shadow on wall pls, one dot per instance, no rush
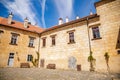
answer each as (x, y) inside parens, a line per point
(118, 40)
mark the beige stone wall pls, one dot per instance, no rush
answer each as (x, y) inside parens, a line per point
(60, 53)
(22, 48)
(110, 24)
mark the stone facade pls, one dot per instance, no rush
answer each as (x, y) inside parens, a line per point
(20, 50)
(108, 12)
(66, 55)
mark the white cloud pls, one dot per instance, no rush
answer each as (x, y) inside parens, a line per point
(64, 7)
(22, 8)
(43, 3)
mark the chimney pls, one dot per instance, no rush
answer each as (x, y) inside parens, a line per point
(26, 22)
(91, 13)
(67, 19)
(60, 21)
(77, 17)
(10, 18)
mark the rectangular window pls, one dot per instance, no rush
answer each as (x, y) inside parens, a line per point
(1, 34)
(29, 58)
(71, 37)
(44, 42)
(96, 33)
(31, 42)
(14, 39)
(53, 39)
(1, 31)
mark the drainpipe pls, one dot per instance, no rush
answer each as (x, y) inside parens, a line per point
(88, 34)
(39, 50)
(39, 43)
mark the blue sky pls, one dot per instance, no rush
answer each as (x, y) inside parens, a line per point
(45, 13)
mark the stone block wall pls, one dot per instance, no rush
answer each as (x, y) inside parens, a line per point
(21, 50)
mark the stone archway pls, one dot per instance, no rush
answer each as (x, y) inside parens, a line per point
(72, 62)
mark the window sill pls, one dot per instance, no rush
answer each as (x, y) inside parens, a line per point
(52, 45)
(71, 43)
(43, 46)
(96, 38)
(31, 46)
(29, 61)
(13, 44)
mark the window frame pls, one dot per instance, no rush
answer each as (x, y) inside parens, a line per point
(14, 39)
(71, 34)
(31, 42)
(1, 31)
(53, 40)
(96, 33)
(29, 57)
(44, 42)
(14, 34)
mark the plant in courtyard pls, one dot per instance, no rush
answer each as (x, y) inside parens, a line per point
(36, 60)
(106, 55)
(92, 60)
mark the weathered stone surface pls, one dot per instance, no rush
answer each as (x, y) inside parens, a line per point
(21, 50)
(109, 26)
(47, 74)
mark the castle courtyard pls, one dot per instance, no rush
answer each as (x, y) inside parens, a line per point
(48, 74)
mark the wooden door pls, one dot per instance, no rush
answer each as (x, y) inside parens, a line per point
(42, 61)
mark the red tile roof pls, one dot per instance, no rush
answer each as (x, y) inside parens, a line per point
(32, 28)
(19, 25)
(71, 22)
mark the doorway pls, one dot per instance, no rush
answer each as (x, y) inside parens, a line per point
(11, 59)
(72, 62)
(42, 61)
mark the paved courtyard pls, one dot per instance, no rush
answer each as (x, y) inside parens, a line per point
(47, 74)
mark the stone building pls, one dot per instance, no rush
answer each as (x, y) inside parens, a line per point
(18, 41)
(68, 44)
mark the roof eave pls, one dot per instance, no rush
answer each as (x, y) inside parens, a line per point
(69, 23)
(20, 29)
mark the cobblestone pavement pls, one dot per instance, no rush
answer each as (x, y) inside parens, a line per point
(47, 74)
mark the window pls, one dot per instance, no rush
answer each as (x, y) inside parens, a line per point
(1, 31)
(14, 39)
(96, 33)
(71, 37)
(44, 42)
(118, 51)
(1, 35)
(11, 59)
(31, 42)
(29, 58)
(53, 39)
